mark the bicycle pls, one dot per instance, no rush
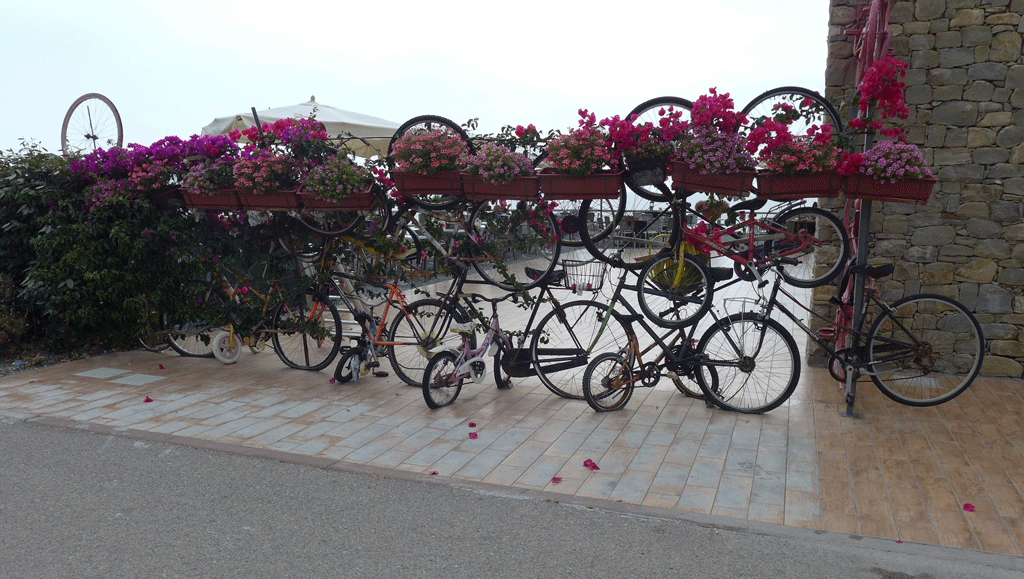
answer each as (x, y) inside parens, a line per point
(611, 377)
(452, 365)
(921, 350)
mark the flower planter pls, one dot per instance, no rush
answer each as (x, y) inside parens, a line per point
(223, 200)
(600, 185)
(786, 187)
(283, 200)
(355, 201)
(166, 198)
(859, 186)
(443, 183)
(689, 179)
(646, 170)
(522, 189)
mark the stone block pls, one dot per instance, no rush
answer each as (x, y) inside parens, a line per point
(934, 235)
(987, 71)
(1011, 276)
(947, 76)
(996, 119)
(1014, 186)
(915, 77)
(918, 254)
(980, 137)
(998, 366)
(975, 35)
(990, 156)
(929, 9)
(994, 299)
(965, 18)
(912, 28)
(957, 113)
(1006, 171)
(842, 15)
(961, 173)
(1006, 211)
(969, 295)
(978, 271)
(1010, 136)
(1006, 19)
(921, 42)
(1006, 47)
(1008, 348)
(948, 93)
(954, 57)
(981, 91)
(937, 273)
(1015, 77)
(954, 253)
(992, 248)
(973, 209)
(918, 95)
(1001, 95)
(946, 157)
(950, 39)
(999, 331)
(924, 59)
(984, 229)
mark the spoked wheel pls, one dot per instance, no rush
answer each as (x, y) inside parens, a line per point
(307, 331)
(674, 293)
(526, 234)
(362, 224)
(190, 330)
(818, 240)
(644, 183)
(441, 384)
(926, 350)
(422, 327)
(91, 123)
(600, 218)
(801, 108)
(633, 242)
(750, 363)
(348, 366)
(608, 382)
(423, 124)
(227, 347)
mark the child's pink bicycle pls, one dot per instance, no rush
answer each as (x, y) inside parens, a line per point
(451, 365)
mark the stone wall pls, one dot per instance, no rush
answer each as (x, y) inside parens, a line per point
(965, 92)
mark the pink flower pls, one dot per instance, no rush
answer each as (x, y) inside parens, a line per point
(148, 399)
(556, 479)
(472, 435)
(591, 464)
(472, 425)
(969, 507)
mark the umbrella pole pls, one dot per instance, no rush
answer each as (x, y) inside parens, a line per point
(259, 127)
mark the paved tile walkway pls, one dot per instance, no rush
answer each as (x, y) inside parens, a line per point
(897, 473)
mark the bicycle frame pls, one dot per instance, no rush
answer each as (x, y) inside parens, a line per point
(471, 360)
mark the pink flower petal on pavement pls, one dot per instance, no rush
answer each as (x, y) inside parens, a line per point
(899, 540)
(556, 479)
(472, 436)
(591, 465)
(148, 399)
(161, 366)
(472, 425)
(333, 381)
(433, 472)
(969, 507)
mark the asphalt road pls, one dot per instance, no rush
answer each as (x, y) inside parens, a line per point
(75, 503)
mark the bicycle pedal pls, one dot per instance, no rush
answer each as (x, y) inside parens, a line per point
(380, 374)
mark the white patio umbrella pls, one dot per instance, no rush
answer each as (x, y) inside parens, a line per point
(374, 131)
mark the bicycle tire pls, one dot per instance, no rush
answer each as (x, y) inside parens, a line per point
(608, 382)
(648, 112)
(344, 372)
(99, 128)
(152, 333)
(336, 223)
(601, 216)
(822, 259)
(674, 295)
(812, 109)
(189, 332)
(429, 122)
(414, 332)
(924, 350)
(526, 245)
(439, 387)
(761, 375)
(634, 251)
(227, 347)
(568, 337)
(307, 331)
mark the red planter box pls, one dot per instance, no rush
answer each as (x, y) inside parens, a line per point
(522, 189)
(443, 183)
(859, 186)
(223, 200)
(786, 187)
(277, 201)
(600, 185)
(687, 178)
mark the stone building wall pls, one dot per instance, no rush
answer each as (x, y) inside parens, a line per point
(965, 93)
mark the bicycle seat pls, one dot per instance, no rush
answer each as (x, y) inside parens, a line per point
(556, 276)
(749, 205)
(463, 328)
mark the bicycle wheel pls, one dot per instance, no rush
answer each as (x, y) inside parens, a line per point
(816, 238)
(227, 347)
(525, 233)
(429, 123)
(500, 380)
(422, 327)
(608, 382)
(568, 337)
(348, 366)
(189, 329)
(362, 224)
(152, 333)
(601, 216)
(632, 243)
(441, 381)
(307, 331)
(754, 361)
(674, 293)
(92, 122)
(925, 350)
(653, 111)
(799, 106)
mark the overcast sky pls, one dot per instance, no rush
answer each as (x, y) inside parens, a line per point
(171, 67)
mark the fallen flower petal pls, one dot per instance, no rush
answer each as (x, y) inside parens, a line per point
(472, 435)
(591, 464)
(969, 507)
(899, 540)
(161, 366)
(434, 472)
(148, 399)
(556, 479)
(333, 381)
(472, 425)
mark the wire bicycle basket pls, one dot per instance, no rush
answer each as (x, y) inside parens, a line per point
(584, 275)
